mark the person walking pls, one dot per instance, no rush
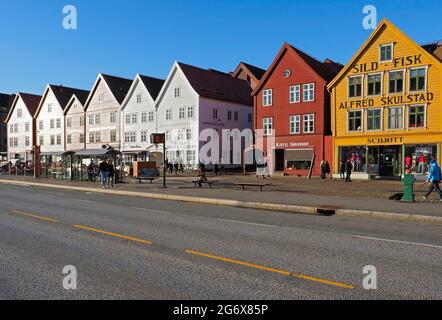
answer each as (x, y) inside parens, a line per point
(111, 177)
(342, 170)
(323, 167)
(104, 173)
(201, 175)
(434, 178)
(348, 170)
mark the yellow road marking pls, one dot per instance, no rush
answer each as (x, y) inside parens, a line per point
(33, 216)
(282, 272)
(113, 234)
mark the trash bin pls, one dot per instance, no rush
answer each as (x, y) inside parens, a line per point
(408, 180)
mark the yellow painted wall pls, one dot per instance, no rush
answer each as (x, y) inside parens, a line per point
(341, 103)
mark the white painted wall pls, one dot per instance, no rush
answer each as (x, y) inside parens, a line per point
(104, 109)
(21, 136)
(75, 113)
(51, 111)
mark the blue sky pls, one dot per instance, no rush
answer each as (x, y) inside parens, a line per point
(126, 37)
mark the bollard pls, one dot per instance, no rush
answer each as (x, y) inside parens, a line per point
(408, 180)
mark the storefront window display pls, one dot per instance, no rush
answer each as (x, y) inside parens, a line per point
(418, 157)
(357, 155)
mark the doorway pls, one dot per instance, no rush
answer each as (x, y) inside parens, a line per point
(280, 159)
(390, 161)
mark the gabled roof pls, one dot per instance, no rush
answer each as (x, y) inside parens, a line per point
(435, 48)
(327, 70)
(6, 100)
(153, 85)
(217, 85)
(119, 87)
(80, 96)
(31, 102)
(384, 23)
(257, 72)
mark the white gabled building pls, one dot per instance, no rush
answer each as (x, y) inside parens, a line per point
(194, 99)
(75, 119)
(102, 109)
(50, 119)
(21, 127)
(138, 117)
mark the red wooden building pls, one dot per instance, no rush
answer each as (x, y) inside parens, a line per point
(292, 102)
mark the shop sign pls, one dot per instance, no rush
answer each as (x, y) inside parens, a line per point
(386, 140)
(293, 145)
(389, 101)
(398, 62)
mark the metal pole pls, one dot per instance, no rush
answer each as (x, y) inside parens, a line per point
(164, 165)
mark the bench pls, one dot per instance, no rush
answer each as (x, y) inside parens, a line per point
(248, 184)
(209, 183)
(151, 179)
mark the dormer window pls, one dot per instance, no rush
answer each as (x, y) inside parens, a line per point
(386, 53)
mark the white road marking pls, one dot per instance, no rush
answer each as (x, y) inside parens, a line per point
(152, 210)
(397, 241)
(249, 223)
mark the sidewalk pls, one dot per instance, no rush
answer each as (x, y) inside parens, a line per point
(357, 199)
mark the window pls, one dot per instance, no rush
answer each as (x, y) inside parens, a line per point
(396, 82)
(69, 139)
(182, 113)
(144, 117)
(52, 124)
(418, 79)
(58, 123)
(11, 128)
(69, 122)
(267, 98)
(97, 118)
(101, 97)
(386, 53)
(355, 120)
(268, 126)
(191, 156)
(113, 117)
(81, 140)
(27, 141)
(16, 128)
(374, 84)
(52, 139)
(134, 118)
(215, 113)
(180, 135)
(169, 114)
(295, 124)
(177, 92)
(168, 135)
(98, 136)
(11, 142)
(133, 137)
(113, 135)
(190, 112)
(91, 137)
(229, 115)
(128, 118)
(49, 108)
(396, 118)
(91, 119)
(309, 92)
(138, 98)
(42, 140)
(355, 87)
(189, 134)
(143, 136)
(19, 112)
(151, 116)
(374, 119)
(416, 117)
(236, 115)
(27, 127)
(58, 139)
(16, 142)
(295, 94)
(309, 123)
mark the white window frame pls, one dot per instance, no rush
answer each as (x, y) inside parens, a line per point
(382, 84)
(362, 120)
(425, 105)
(182, 113)
(426, 79)
(362, 87)
(305, 119)
(404, 85)
(265, 123)
(169, 116)
(190, 112)
(295, 119)
(392, 52)
(306, 88)
(267, 98)
(177, 92)
(403, 118)
(366, 120)
(295, 94)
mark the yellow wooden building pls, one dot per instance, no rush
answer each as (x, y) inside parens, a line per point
(387, 107)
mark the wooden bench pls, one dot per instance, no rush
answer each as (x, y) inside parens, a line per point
(151, 179)
(248, 184)
(209, 183)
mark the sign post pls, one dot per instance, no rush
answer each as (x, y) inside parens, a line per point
(156, 139)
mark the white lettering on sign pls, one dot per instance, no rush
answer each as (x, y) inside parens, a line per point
(293, 145)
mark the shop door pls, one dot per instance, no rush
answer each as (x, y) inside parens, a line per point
(279, 157)
(390, 162)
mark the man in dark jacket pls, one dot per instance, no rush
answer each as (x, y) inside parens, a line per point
(434, 178)
(348, 171)
(104, 173)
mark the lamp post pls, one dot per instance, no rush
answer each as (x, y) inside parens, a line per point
(156, 139)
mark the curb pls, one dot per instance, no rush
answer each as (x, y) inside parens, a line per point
(294, 209)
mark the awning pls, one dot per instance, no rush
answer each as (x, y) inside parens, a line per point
(97, 153)
(299, 155)
(57, 154)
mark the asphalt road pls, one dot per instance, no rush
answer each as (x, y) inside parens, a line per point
(132, 248)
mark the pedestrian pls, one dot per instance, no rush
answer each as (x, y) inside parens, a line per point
(434, 178)
(328, 170)
(111, 178)
(348, 170)
(104, 173)
(342, 170)
(90, 172)
(201, 175)
(323, 168)
(216, 169)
